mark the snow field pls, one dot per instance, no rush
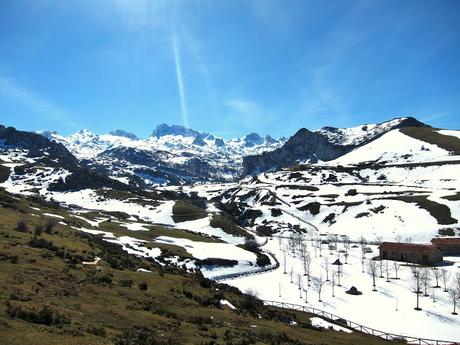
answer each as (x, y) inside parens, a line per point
(389, 309)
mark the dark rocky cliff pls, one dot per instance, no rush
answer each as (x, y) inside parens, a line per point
(302, 146)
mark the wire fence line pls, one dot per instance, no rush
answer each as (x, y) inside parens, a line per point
(359, 327)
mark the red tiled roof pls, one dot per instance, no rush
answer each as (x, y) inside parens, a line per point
(420, 248)
(450, 241)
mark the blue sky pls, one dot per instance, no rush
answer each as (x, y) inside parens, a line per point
(227, 66)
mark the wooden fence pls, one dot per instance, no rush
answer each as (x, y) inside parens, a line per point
(358, 327)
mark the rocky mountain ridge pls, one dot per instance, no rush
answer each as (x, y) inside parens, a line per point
(171, 155)
(325, 144)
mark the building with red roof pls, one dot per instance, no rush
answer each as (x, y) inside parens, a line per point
(423, 254)
(448, 245)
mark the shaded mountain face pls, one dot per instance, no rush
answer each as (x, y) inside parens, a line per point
(163, 129)
(125, 134)
(36, 146)
(42, 159)
(302, 146)
(325, 144)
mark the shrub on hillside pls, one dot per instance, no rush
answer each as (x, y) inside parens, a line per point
(262, 260)
(45, 316)
(250, 300)
(22, 226)
(276, 212)
(49, 227)
(42, 243)
(143, 286)
(126, 283)
(264, 230)
(251, 245)
(38, 230)
(142, 336)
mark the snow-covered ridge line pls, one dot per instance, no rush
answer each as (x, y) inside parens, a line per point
(359, 134)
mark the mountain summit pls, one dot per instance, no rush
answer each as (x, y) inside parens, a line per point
(164, 129)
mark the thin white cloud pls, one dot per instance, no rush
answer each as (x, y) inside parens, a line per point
(248, 113)
(35, 102)
(180, 81)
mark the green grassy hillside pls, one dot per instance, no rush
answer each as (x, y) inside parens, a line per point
(430, 135)
(48, 296)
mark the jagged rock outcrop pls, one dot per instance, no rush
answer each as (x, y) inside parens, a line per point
(37, 145)
(163, 129)
(302, 146)
(124, 134)
(325, 144)
(252, 139)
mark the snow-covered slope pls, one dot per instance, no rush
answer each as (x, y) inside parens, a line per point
(395, 147)
(396, 185)
(325, 144)
(172, 155)
(364, 133)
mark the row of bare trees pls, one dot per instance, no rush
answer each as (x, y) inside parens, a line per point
(423, 280)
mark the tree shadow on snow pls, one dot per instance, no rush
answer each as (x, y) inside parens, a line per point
(441, 317)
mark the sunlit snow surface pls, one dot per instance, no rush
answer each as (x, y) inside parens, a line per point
(372, 309)
(394, 147)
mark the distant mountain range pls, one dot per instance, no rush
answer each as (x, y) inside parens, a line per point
(171, 155)
(175, 155)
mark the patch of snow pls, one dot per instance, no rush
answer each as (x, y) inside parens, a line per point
(224, 302)
(319, 322)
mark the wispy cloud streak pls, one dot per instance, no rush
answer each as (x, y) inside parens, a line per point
(180, 81)
(35, 102)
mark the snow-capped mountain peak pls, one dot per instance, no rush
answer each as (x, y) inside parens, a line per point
(363, 133)
(164, 129)
(124, 134)
(172, 153)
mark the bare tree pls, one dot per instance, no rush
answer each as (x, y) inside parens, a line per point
(363, 243)
(299, 284)
(305, 289)
(326, 267)
(279, 289)
(408, 240)
(416, 285)
(346, 242)
(306, 260)
(372, 271)
(318, 284)
(454, 295)
(363, 260)
(396, 268)
(339, 274)
(425, 279)
(380, 264)
(387, 270)
(284, 260)
(445, 278)
(433, 294)
(291, 273)
(292, 242)
(335, 241)
(436, 273)
(333, 282)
